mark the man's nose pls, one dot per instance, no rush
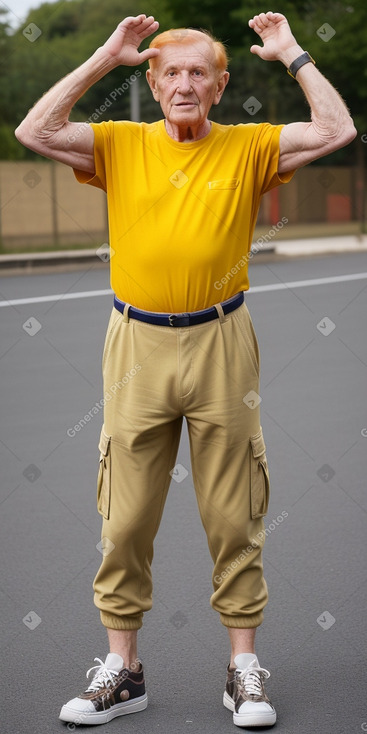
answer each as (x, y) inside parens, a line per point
(184, 82)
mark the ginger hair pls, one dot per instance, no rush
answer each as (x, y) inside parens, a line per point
(189, 36)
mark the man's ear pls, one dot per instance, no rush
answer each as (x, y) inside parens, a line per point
(221, 85)
(153, 84)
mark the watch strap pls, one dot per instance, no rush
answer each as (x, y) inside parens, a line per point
(305, 58)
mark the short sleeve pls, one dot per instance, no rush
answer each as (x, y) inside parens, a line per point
(267, 158)
(102, 147)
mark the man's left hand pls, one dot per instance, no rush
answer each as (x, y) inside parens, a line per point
(275, 33)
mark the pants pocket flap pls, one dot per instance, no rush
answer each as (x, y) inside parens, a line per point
(104, 476)
(259, 476)
(258, 444)
(104, 443)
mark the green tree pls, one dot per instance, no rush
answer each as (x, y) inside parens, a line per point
(71, 30)
(342, 58)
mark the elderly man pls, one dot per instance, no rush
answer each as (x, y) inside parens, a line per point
(183, 196)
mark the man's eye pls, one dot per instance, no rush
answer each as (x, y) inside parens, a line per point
(197, 72)
(171, 73)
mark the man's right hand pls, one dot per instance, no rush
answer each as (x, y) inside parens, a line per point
(122, 46)
(47, 129)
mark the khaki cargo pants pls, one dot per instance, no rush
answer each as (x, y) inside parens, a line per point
(153, 376)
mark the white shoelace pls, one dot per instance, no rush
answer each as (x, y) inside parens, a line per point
(103, 677)
(252, 678)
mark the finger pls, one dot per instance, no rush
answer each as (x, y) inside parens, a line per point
(257, 50)
(145, 24)
(255, 24)
(259, 20)
(137, 22)
(264, 19)
(138, 18)
(149, 53)
(276, 17)
(132, 20)
(148, 30)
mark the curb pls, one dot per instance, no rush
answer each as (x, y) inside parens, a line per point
(33, 260)
(322, 245)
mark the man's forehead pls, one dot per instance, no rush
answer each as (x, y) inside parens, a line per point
(184, 54)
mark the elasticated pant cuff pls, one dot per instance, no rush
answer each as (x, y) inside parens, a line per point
(247, 621)
(121, 623)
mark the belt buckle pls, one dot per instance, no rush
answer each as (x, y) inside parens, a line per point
(183, 317)
(171, 318)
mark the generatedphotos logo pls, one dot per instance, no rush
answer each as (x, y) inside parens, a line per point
(108, 395)
(244, 259)
(108, 102)
(255, 542)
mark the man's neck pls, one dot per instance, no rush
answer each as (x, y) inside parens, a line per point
(188, 133)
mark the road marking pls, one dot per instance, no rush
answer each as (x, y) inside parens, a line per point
(57, 297)
(307, 283)
(255, 289)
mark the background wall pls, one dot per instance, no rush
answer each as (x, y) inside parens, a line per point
(42, 205)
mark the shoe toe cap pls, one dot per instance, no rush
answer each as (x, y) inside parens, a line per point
(256, 707)
(79, 705)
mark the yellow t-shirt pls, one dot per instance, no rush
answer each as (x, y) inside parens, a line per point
(182, 215)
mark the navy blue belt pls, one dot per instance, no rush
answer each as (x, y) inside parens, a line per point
(181, 319)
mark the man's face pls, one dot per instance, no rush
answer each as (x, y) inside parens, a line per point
(186, 83)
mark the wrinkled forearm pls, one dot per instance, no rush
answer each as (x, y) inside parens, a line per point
(330, 128)
(329, 114)
(51, 113)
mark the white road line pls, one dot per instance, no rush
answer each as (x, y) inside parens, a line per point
(254, 289)
(307, 283)
(57, 297)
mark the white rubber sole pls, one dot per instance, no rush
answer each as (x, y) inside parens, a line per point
(260, 719)
(103, 717)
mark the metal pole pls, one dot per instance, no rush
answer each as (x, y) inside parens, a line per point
(1, 239)
(135, 101)
(55, 224)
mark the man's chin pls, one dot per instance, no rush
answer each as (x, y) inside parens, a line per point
(189, 116)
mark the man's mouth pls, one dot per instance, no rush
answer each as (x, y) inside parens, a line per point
(185, 104)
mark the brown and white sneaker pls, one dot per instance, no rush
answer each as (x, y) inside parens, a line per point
(114, 691)
(245, 694)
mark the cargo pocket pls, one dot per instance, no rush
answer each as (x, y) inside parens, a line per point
(259, 476)
(104, 476)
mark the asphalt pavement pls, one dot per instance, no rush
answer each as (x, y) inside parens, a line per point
(311, 325)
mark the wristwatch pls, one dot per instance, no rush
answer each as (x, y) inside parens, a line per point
(305, 58)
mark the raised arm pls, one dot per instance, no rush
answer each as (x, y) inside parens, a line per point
(47, 129)
(331, 126)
